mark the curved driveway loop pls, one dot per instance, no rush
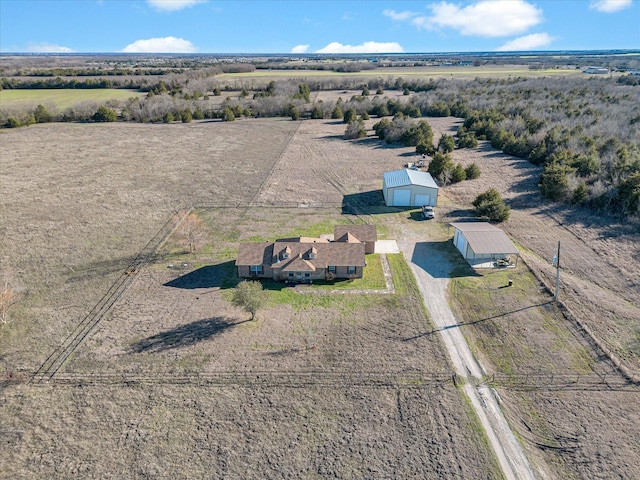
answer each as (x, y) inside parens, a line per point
(431, 271)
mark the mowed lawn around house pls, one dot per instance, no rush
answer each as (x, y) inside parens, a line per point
(64, 97)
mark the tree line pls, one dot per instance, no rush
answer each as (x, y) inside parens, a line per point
(583, 131)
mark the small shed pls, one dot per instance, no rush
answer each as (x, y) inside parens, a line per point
(484, 245)
(409, 188)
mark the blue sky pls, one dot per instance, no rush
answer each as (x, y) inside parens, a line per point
(225, 26)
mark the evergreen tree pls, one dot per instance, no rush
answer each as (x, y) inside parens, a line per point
(41, 114)
(228, 115)
(489, 204)
(350, 115)
(472, 171)
(458, 174)
(105, 114)
(446, 144)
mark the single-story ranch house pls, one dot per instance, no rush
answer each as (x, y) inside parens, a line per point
(367, 234)
(484, 245)
(305, 259)
(409, 188)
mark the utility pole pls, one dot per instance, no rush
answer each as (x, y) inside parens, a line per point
(557, 259)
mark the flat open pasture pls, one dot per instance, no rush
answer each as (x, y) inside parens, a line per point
(63, 98)
(435, 72)
(172, 379)
(80, 202)
(317, 386)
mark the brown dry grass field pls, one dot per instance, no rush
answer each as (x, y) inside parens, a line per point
(173, 382)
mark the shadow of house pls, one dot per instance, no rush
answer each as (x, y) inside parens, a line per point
(184, 335)
(368, 203)
(211, 276)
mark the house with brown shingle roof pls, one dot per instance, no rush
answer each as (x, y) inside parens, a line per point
(302, 259)
(366, 234)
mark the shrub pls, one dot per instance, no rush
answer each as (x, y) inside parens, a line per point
(446, 144)
(580, 194)
(350, 115)
(336, 113)
(198, 114)
(228, 115)
(468, 140)
(472, 171)
(317, 113)
(12, 122)
(355, 129)
(41, 114)
(458, 174)
(104, 114)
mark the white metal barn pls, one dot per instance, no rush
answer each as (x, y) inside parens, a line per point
(484, 245)
(409, 188)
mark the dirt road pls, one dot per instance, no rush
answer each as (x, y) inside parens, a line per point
(432, 275)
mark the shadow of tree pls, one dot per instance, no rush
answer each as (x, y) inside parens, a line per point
(184, 335)
(211, 276)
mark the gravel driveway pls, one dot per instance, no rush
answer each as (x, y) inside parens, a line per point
(431, 270)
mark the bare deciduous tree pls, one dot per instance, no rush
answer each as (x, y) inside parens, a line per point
(9, 297)
(194, 232)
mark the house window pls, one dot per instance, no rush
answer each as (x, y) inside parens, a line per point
(256, 270)
(290, 274)
(351, 269)
(332, 269)
(307, 275)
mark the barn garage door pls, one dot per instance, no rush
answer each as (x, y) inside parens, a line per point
(423, 200)
(402, 198)
(461, 244)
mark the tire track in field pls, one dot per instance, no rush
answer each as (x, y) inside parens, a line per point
(268, 179)
(61, 354)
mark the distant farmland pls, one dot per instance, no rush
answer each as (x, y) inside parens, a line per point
(468, 72)
(62, 98)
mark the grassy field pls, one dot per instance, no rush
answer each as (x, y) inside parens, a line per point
(172, 378)
(469, 72)
(63, 98)
(319, 385)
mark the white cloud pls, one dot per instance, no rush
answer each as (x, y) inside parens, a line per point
(610, 6)
(366, 47)
(300, 49)
(487, 18)
(399, 16)
(45, 47)
(160, 45)
(528, 42)
(173, 5)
